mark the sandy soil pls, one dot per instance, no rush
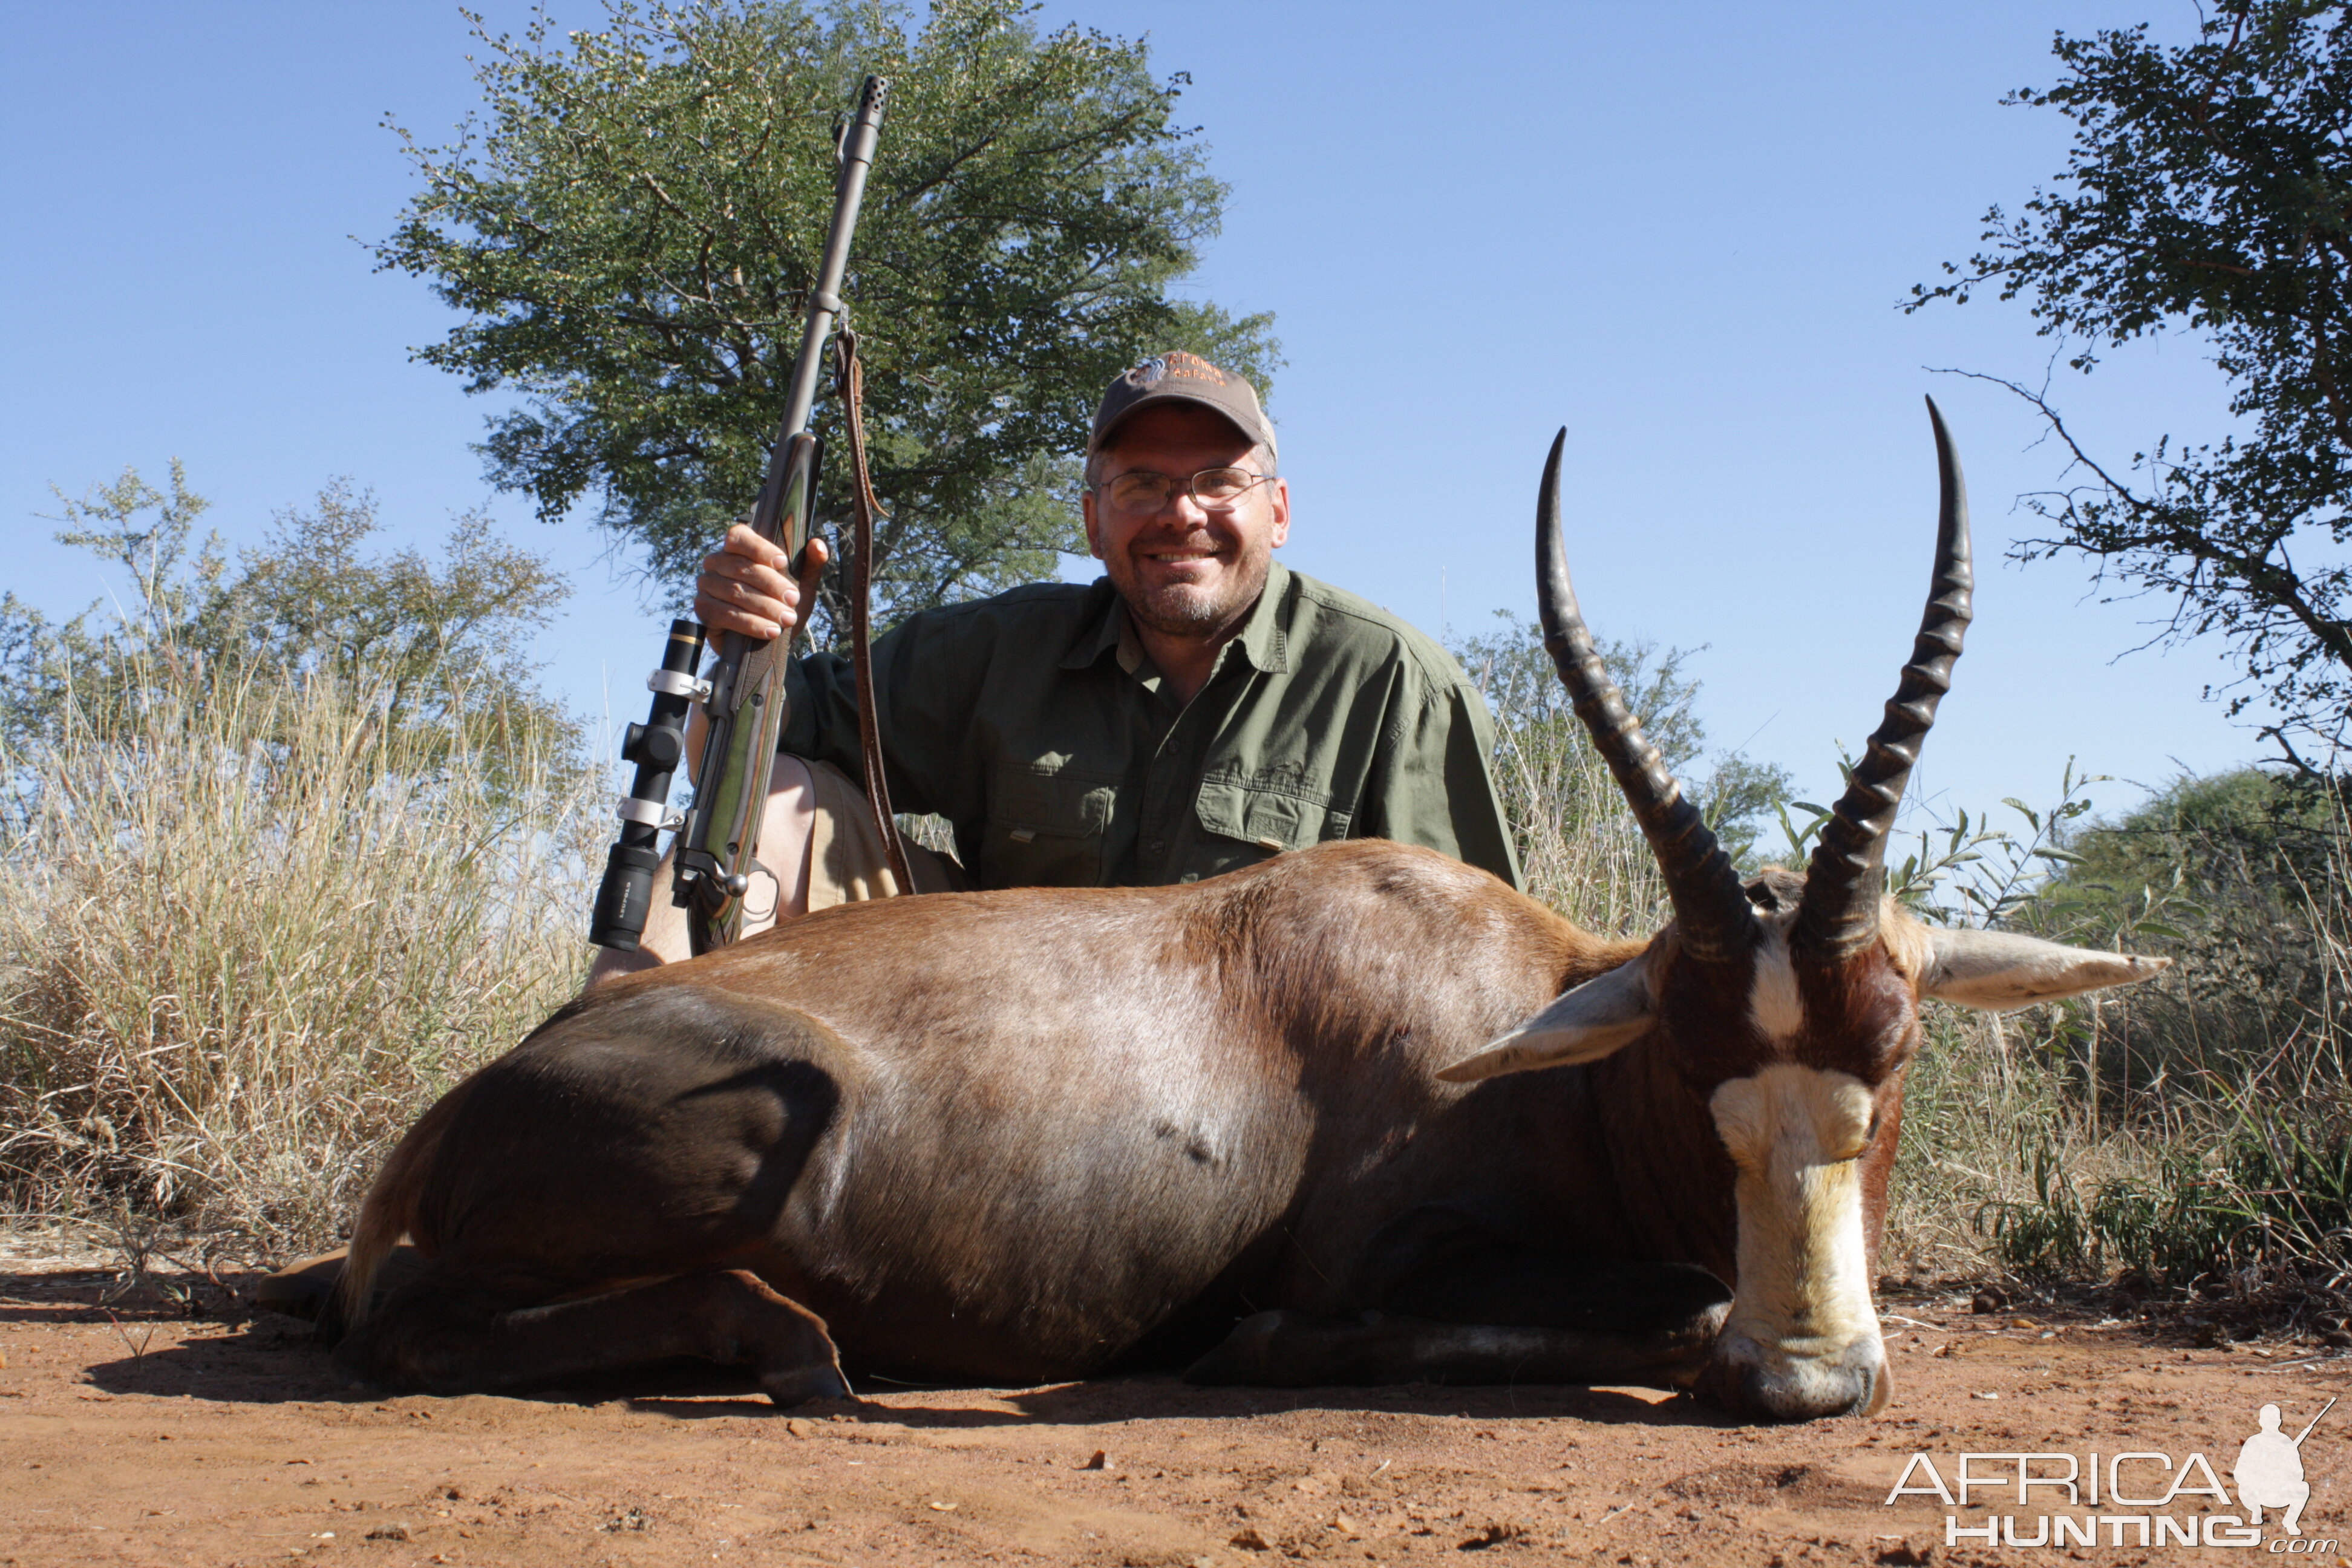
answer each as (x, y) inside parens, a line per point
(134, 1430)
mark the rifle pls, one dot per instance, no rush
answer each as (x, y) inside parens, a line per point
(717, 845)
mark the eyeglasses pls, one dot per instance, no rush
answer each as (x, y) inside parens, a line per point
(1216, 490)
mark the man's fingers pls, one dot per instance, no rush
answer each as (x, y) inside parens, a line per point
(724, 617)
(743, 588)
(754, 577)
(734, 596)
(742, 541)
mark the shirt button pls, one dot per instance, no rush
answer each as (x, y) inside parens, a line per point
(1155, 845)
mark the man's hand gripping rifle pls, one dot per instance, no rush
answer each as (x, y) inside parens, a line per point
(716, 851)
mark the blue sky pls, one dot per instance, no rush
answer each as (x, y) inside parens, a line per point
(1681, 233)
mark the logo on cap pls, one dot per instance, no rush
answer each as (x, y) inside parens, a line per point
(1185, 367)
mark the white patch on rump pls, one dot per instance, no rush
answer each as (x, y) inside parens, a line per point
(1773, 1004)
(1794, 1133)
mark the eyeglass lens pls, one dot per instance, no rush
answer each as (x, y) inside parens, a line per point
(1210, 487)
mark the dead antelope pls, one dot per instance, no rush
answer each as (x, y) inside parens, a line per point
(1263, 1121)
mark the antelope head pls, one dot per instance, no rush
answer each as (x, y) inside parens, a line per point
(1789, 1005)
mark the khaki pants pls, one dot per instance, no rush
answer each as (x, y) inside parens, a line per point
(846, 861)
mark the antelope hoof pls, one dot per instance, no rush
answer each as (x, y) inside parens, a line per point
(796, 1385)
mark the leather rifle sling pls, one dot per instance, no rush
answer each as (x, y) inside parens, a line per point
(850, 382)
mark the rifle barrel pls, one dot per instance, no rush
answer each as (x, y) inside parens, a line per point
(824, 301)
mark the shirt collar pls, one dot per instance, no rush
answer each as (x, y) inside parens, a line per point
(1097, 628)
(1262, 639)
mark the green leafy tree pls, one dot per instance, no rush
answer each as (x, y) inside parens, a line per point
(2209, 189)
(631, 228)
(432, 645)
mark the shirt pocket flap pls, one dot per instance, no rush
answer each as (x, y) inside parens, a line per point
(1270, 821)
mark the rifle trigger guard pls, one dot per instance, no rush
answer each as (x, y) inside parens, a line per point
(776, 895)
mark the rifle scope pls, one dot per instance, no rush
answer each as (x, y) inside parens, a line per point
(657, 746)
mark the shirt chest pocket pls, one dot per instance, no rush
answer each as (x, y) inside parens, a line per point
(1266, 820)
(1046, 830)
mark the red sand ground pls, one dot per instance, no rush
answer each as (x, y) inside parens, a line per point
(135, 1434)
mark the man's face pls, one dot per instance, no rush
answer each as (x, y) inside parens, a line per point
(1185, 571)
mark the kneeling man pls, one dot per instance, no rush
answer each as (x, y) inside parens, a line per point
(1199, 709)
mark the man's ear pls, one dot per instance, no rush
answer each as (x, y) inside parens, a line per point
(1584, 1025)
(1998, 971)
(1278, 497)
(1086, 511)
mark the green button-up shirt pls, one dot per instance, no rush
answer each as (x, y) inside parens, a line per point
(1035, 722)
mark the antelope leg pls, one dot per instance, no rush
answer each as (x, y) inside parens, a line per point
(1490, 1316)
(443, 1338)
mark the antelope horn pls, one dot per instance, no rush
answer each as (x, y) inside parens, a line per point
(1848, 874)
(1710, 912)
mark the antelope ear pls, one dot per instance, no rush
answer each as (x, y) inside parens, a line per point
(1583, 1024)
(2000, 972)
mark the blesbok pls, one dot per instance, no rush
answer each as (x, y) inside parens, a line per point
(1016, 1136)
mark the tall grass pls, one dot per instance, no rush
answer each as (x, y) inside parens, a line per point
(2195, 1132)
(1581, 851)
(250, 924)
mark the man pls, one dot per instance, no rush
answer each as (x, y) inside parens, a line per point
(1198, 709)
(2269, 1471)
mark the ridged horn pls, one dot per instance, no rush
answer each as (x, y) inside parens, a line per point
(1842, 886)
(1710, 912)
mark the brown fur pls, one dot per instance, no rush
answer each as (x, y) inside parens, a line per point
(1021, 1135)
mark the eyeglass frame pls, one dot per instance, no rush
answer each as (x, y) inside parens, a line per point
(1189, 482)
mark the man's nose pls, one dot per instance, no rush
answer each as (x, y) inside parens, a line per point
(1184, 507)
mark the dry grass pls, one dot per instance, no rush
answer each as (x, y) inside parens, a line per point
(250, 929)
(1581, 851)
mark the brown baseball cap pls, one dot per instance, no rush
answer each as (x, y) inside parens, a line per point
(1182, 377)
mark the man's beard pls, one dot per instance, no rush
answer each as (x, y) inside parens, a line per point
(1184, 610)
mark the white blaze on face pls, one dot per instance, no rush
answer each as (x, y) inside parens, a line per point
(1803, 1309)
(1773, 1006)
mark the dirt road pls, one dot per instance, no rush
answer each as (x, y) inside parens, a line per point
(152, 1438)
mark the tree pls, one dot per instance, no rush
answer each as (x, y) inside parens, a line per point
(1541, 744)
(2210, 189)
(431, 648)
(632, 229)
